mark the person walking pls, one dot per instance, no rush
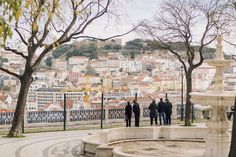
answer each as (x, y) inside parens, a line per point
(136, 110)
(153, 111)
(128, 114)
(168, 112)
(161, 112)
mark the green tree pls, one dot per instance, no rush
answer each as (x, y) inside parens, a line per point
(49, 61)
(61, 50)
(117, 47)
(136, 44)
(88, 51)
(41, 26)
(2, 60)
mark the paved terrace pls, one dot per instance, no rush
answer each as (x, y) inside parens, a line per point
(50, 144)
(47, 144)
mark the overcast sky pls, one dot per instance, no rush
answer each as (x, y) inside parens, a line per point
(136, 10)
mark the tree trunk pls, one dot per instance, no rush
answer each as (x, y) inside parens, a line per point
(20, 107)
(232, 151)
(188, 106)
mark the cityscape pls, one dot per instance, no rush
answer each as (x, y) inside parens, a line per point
(117, 78)
(151, 74)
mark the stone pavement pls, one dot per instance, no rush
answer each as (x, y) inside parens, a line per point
(48, 144)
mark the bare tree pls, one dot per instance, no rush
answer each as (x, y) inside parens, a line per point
(40, 26)
(179, 26)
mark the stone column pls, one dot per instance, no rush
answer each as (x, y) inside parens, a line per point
(68, 112)
(198, 114)
(106, 116)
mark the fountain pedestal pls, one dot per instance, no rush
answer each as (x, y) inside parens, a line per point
(218, 137)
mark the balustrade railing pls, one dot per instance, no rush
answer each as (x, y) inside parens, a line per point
(85, 115)
(6, 118)
(116, 114)
(73, 115)
(45, 116)
(146, 112)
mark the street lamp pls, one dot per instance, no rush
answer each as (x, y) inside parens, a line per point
(102, 88)
(182, 92)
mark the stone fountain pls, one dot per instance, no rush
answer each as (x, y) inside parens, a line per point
(218, 137)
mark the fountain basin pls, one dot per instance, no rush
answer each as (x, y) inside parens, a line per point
(159, 148)
(213, 99)
(219, 62)
(101, 144)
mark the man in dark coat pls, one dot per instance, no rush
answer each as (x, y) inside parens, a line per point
(128, 114)
(136, 110)
(153, 112)
(161, 112)
(168, 112)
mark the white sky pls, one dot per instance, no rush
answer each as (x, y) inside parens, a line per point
(136, 11)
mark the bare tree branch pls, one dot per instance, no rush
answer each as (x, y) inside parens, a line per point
(99, 14)
(20, 35)
(15, 52)
(229, 42)
(10, 72)
(45, 30)
(104, 39)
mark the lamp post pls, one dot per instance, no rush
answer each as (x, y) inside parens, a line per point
(64, 111)
(101, 124)
(182, 93)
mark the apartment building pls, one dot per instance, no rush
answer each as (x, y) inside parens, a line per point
(45, 96)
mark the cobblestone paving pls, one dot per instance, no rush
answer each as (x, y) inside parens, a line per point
(57, 144)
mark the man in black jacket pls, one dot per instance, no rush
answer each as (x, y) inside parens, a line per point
(128, 114)
(168, 112)
(153, 111)
(136, 110)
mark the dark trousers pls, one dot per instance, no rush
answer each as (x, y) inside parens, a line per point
(128, 122)
(151, 120)
(168, 119)
(136, 117)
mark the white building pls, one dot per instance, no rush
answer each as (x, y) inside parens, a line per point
(9, 81)
(45, 96)
(131, 66)
(78, 60)
(59, 64)
(31, 106)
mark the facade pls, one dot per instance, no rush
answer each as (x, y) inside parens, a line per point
(59, 64)
(44, 96)
(131, 66)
